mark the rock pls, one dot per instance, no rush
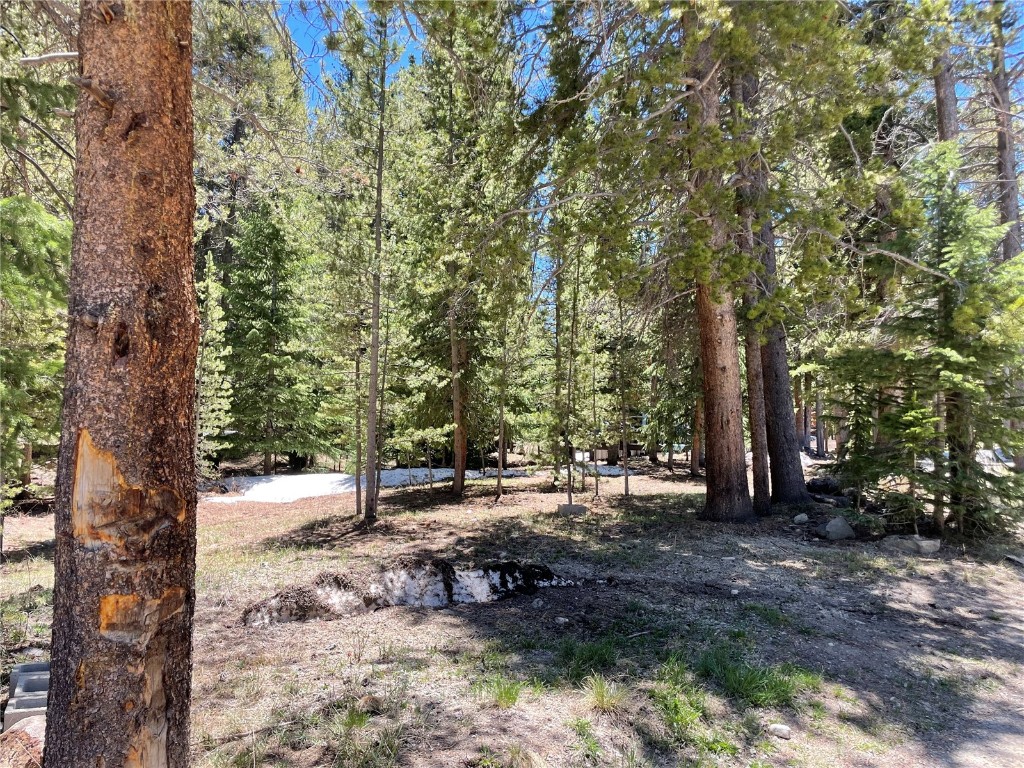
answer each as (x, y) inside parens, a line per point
(370, 704)
(1016, 560)
(835, 529)
(572, 509)
(538, 603)
(561, 621)
(801, 519)
(780, 731)
(911, 545)
(824, 484)
(21, 746)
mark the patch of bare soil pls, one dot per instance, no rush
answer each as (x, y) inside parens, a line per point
(679, 643)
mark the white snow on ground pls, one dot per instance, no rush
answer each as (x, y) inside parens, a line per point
(282, 489)
(604, 470)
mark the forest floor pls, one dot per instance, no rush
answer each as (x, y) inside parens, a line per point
(680, 642)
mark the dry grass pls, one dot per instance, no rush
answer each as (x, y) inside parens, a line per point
(838, 641)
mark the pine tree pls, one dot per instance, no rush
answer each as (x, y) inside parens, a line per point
(213, 388)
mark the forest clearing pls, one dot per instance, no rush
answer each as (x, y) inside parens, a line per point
(870, 658)
(511, 383)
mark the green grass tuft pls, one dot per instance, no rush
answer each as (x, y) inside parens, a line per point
(759, 686)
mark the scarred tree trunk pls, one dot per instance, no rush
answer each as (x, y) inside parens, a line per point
(728, 497)
(125, 501)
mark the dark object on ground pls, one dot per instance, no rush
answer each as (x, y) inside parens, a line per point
(824, 484)
(425, 583)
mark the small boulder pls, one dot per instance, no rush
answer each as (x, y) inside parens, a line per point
(801, 519)
(21, 745)
(561, 621)
(911, 545)
(780, 731)
(835, 529)
(538, 603)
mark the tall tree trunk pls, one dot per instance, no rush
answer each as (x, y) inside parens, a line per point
(459, 441)
(359, 437)
(747, 199)
(697, 443)
(378, 225)
(728, 497)
(1006, 158)
(624, 421)
(26, 466)
(126, 497)
(758, 428)
(819, 425)
(956, 422)
(806, 413)
(785, 469)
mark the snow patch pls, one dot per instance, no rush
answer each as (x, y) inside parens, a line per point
(281, 489)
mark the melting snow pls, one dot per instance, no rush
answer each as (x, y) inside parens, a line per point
(286, 488)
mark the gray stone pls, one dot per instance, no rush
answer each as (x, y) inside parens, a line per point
(801, 519)
(572, 509)
(538, 603)
(24, 707)
(561, 621)
(911, 545)
(780, 731)
(837, 529)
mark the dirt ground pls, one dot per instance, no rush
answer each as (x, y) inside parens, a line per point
(680, 642)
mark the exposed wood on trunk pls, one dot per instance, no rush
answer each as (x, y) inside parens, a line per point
(125, 501)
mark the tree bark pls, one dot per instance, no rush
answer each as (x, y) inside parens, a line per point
(126, 497)
(806, 413)
(370, 513)
(26, 466)
(819, 426)
(459, 440)
(1006, 159)
(728, 497)
(758, 428)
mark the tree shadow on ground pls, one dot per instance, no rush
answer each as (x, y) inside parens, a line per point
(653, 583)
(43, 549)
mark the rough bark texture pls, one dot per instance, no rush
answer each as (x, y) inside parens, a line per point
(728, 497)
(785, 469)
(945, 98)
(1006, 160)
(125, 502)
